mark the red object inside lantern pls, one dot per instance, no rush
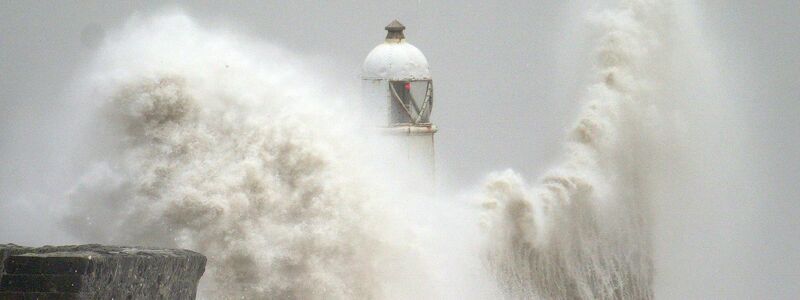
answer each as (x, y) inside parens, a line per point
(408, 86)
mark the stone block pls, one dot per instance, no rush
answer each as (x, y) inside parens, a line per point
(98, 272)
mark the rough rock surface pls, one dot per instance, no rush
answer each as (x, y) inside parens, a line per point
(98, 272)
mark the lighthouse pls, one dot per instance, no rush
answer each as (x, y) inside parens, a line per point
(397, 80)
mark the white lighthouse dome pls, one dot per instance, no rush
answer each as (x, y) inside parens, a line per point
(395, 59)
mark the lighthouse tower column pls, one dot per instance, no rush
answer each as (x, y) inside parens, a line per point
(396, 77)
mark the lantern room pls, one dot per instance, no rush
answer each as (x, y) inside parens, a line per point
(396, 76)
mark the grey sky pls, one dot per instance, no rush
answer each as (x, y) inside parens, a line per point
(497, 67)
(507, 77)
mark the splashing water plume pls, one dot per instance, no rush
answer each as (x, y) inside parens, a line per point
(583, 232)
(210, 141)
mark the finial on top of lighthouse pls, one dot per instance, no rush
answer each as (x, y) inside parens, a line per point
(395, 30)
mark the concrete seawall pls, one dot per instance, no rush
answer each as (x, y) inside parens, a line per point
(98, 272)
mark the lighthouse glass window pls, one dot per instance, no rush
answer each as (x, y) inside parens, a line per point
(411, 101)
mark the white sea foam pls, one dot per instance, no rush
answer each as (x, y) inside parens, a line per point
(583, 231)
(210, 141)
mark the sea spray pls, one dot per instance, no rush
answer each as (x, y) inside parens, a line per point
(209, 141)
(584, 230)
